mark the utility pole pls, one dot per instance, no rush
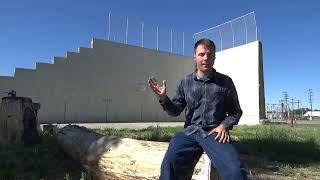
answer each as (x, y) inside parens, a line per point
(292, 105)
(292, 115)
(282, 108)
(273, 113)
(310, 100)
(266, 109)
(299, 102)
(286, 98)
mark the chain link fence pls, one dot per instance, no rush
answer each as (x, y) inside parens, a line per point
(239, 31)
(236, 32)
(147, 35)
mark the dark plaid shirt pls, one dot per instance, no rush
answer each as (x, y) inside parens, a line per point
(207, 101)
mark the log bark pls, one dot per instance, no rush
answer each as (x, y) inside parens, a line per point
(18, 121)
(119, 158)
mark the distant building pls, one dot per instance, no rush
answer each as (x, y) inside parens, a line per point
(313, 114)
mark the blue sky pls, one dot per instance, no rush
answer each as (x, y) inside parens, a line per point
(37, 30)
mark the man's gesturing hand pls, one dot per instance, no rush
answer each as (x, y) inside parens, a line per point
(159, 90)
(222, 134)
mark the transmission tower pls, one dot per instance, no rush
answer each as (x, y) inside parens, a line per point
(292, 107)
(286, 98)
(299, 102)
(310, 92)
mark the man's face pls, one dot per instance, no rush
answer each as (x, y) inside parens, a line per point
(204, 58)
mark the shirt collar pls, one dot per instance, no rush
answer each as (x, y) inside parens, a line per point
(205, 78)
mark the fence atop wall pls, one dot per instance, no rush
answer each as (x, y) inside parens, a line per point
(147, 35)
(236, 32)
(239, 31)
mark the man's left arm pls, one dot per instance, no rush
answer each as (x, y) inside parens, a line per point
(233, 111)
(232, 107)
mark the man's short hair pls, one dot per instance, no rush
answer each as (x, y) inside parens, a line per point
(209, 44)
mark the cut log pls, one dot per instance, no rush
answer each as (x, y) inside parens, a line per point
(18, 121)
(119, 158)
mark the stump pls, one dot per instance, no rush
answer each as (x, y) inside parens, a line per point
(119, 158)
(18, 121)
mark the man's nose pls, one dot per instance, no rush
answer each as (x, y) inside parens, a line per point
(205, 57)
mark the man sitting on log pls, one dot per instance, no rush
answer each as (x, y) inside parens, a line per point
(212, 109)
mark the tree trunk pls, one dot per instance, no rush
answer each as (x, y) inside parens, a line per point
(119, 158)
(18, 121)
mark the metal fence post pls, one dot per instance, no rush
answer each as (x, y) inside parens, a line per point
(182, 43)
(220, 38)
(171, 40)
(157, 37)
(245, 25)
(109, 25)
(127, 28)
(232, 34)
(255, 23)
(142, 31)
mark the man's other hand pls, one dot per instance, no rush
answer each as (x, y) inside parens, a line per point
(223, 135)
(159, 90)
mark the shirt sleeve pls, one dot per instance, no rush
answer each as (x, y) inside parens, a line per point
(232, 107)
(175, 106)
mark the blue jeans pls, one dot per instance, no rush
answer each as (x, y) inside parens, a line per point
(184, 152)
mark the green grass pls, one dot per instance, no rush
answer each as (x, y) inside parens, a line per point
(275, 142)
(41, 161)
(279, 143)
(278, 149)
(282, 149)
(152, 133)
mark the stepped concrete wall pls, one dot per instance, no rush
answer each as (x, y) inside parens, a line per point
(108, 83)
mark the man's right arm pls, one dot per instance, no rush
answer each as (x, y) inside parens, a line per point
(175, 106)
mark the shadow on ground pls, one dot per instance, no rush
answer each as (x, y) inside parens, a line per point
(282, 151)
(41, 161)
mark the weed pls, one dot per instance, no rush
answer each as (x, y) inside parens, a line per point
(287, 170)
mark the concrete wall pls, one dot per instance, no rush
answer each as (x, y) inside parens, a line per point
(75, 88)
(244, 65)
